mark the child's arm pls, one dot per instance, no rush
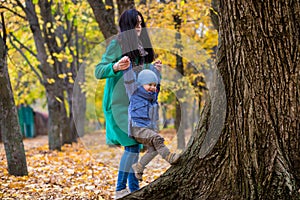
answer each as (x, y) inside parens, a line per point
(130, 81)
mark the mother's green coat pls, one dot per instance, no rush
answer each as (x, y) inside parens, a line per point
(115, 100)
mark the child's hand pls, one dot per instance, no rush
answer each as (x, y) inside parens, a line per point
(122, 64)
(158, 65)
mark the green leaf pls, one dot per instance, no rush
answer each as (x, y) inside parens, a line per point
(75, 22)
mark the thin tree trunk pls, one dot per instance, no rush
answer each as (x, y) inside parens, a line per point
(79, 104)
(9, 123)
(164, 115)
(256, 155)
(214, 13)
(181, 114)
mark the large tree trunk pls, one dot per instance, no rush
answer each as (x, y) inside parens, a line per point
(67, 136)
(104, 17)
(59, 67)
(124, 5)
(256, 155)
(54, 121)
(9, 123)
(46, 38)
(48, 74)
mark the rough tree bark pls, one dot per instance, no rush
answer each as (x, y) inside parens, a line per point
(257, 154)
(9, 123)
(124, 5)
(104, 17)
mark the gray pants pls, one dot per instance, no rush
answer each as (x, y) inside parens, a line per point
(153, 141)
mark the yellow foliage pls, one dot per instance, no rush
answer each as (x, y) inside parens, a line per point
(58, 99)
(107, 7)
(50, 80)
(62, 76)
(50, 61)
(71, 79)
(48, 25)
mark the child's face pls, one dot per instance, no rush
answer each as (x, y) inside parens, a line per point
(151, 87)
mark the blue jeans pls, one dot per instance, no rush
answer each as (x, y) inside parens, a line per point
(130, 156)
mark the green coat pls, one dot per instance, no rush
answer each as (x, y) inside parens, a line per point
(115, 100)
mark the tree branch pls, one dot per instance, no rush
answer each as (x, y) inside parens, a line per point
(15, 13)
(3, 28)
(27, 60)
(19, 3)
(22, 45)
(69, 35)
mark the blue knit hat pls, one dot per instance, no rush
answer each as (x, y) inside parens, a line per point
(147, 76)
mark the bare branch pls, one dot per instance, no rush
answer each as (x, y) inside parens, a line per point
(69, 36)
(22, 45)
(19, 3)
(27, 60)
(14, 12)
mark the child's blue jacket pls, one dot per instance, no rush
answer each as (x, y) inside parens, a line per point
(143, 109)
(143, 106)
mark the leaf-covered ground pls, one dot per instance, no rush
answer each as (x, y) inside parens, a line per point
(83, 170)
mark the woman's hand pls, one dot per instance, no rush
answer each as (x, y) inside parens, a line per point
(122, 64)
(158, 65)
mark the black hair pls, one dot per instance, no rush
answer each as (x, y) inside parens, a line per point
(129, 39)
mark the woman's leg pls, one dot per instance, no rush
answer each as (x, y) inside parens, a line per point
(129, 157)
(133, 182)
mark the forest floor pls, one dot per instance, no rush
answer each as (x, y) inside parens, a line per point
(84, 170)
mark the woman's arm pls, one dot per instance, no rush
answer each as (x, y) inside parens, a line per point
(108, 66)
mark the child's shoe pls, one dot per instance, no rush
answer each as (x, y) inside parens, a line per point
(172, 158)
(138, 171)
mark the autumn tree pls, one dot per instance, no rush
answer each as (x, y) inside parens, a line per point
(9, 127)
(45, 34)
(58, 49)
(254, 152)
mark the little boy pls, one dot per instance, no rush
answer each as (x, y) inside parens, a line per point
(143, 117)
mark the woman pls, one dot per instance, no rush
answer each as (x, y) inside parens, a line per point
(132, 46)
